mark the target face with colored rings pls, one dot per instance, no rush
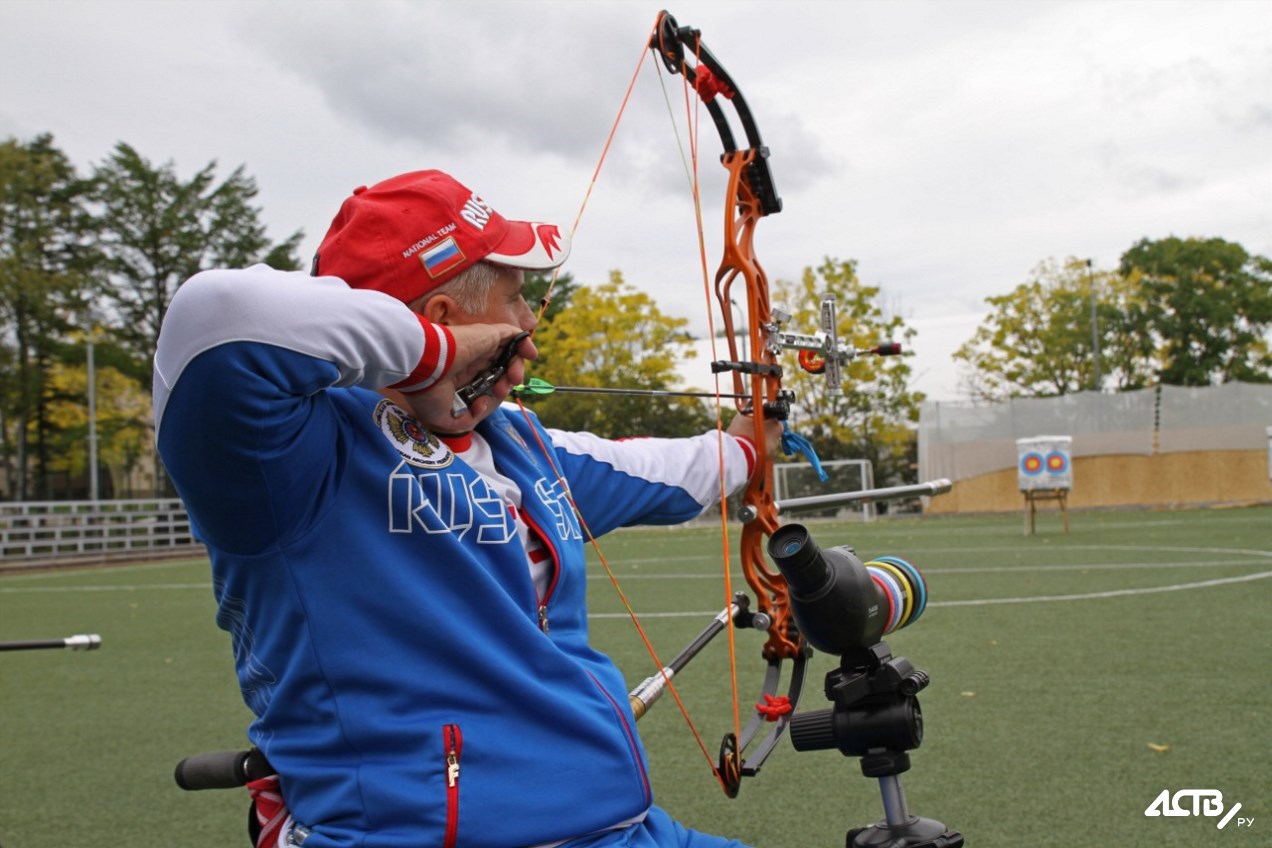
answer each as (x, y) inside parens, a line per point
(1032, 463)
(1057, 463)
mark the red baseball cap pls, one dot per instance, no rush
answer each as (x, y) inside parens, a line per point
(411, 233)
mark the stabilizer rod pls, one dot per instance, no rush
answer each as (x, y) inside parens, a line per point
(815, 502)
(82, 642)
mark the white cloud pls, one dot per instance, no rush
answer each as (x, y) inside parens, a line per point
(948, 147)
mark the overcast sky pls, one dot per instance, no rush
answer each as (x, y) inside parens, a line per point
(947, 147)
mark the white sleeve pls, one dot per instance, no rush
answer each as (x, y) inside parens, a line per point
(372, 339)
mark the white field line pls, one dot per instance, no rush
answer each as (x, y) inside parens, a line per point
(981, 602)
(1023, 569)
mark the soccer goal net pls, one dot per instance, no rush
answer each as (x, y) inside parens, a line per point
(800, 480)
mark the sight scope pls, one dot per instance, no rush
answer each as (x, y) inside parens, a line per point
(840, 603)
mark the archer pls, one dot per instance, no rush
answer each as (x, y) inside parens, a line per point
(397, 557)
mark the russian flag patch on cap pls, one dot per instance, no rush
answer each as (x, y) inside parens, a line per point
(442, 257)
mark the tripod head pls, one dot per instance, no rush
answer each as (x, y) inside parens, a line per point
(875, 712)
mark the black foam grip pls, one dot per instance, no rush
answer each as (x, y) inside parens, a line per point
(221, 770)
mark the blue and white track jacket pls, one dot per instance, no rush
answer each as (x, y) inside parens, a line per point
(409, 685)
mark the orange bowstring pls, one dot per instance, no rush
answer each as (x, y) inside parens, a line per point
(649, 647)
(587, 195)
(693, 115)
(631, 613)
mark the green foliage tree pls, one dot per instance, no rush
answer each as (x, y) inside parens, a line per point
(613, 336)
(558, 291)
(158, 230)
(873, 417)
(1208, 303)
(46, 258)
(1038, 341)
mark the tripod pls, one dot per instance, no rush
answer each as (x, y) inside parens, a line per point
(876, 717)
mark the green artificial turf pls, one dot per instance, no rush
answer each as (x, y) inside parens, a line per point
(1073, 679)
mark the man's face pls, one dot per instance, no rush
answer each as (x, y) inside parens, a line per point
(506, 304)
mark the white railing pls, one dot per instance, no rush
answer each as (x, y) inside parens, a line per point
(38, 531)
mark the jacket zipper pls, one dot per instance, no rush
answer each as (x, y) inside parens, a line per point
(542, 603)
(453, 741)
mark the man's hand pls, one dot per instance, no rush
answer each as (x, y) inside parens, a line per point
(743, 426)
(476, 347)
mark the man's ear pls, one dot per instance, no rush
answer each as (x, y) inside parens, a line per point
(439, 308)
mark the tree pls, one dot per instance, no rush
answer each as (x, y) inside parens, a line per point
(46, 257)
(123, 410)
(1208, 303)
(1037, 342)
(874, 415)
(613, 336)
(558, 291)
(158, 231)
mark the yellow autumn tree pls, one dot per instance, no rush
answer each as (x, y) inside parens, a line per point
(874, 415)
(123, 428)
(614, 336)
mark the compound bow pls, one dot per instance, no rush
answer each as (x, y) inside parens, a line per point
(757, 392)
(757, 381)
(750, 196)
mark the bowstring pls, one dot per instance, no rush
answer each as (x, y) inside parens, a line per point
(649, 647)
(693, 118)
(609, 571)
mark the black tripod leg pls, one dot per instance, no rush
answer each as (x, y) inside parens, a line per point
(900, 829)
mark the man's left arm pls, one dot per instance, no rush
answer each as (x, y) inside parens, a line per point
(649, 480)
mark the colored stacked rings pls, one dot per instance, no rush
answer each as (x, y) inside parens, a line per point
(903, 587)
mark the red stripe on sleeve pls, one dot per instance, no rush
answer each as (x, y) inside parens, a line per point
(436, 360)
(748, 450)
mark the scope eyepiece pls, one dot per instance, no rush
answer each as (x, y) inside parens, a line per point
(800, 559)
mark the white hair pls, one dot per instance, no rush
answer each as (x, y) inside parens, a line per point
(470, 290)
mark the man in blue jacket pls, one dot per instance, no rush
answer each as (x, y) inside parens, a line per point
(402, 574)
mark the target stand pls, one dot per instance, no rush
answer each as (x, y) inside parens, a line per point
(1032, 497)
(1044, 471)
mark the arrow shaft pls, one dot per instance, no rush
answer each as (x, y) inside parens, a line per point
(585, 390)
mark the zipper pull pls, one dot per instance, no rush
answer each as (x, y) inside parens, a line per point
(452, 768)
(543, 618)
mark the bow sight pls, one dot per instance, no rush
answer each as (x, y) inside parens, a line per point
(822, 353)
(819, 353)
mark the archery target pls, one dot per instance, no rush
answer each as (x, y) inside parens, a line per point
(1031, 464)
(1044, 463)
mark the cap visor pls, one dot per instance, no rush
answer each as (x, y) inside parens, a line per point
(533, 246)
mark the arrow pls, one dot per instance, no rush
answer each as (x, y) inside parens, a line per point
(535, 386)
